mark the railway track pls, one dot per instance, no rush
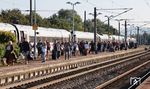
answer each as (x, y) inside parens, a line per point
(142, 77)
(87, 77)
(122, 81)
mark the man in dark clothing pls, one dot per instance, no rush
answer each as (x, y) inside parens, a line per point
(55, 50)
(25, 49)
(104, 46)
(67, 50)
(92, 47)
(99, 46)
(48, 47)
(39, 47)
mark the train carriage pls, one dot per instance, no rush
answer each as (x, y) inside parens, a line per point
(51, 34)
(87, 36)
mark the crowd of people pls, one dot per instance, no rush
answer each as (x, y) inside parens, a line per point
(65, 49)
(68, 49)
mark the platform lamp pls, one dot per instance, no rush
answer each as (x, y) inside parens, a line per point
(72, 32)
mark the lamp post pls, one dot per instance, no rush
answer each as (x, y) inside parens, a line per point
(72, 32)
(119, 28)
(125, 34)
(31, 13)
(84, 21)
(138, 39)
(119, 25)
(108, 18)
(95, 28)
(35, 28)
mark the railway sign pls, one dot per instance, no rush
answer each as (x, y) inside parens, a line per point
(34, 26)
(135, 80)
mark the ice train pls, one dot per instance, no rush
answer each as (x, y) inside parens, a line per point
(51, 34)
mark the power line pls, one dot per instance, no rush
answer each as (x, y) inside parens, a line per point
(110, 12)
(126, 10)
(114, 9)
(41, 10)
(139, 21)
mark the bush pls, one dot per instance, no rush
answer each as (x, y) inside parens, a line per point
(5, 37)
(16, 49)
(2, 50)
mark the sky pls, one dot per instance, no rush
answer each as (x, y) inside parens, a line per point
(139, 13)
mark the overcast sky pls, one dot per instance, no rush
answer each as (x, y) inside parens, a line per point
(140, 12)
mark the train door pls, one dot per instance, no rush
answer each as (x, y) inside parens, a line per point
(22, 35)
(25, 35)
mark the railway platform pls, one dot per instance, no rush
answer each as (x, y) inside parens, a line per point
(145, 84)
(10, 74)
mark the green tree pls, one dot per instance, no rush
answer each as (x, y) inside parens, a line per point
(101, 27)
(6, 37)
(63, 20)
(13, 16)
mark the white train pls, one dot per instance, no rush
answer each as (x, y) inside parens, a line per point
(51, 34)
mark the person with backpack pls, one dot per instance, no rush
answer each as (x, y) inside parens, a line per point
(10, 54)
(39, 46)
(25, 50)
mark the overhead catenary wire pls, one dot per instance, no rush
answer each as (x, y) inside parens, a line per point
(41, 10)
(119, 13)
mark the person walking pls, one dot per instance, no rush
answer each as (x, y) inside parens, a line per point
(43, 52)
(55, 51)
(48, 48)
(9, 54)
(39, 46)
(67, 50)
(25, 50)
(86, 46)
(58, 49)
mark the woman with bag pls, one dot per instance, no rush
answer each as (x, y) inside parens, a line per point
(9, 53)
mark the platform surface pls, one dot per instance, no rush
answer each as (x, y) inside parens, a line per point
(37, 63)
(145, 84)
